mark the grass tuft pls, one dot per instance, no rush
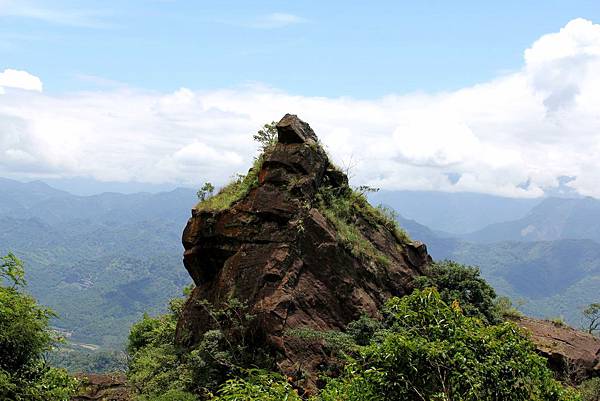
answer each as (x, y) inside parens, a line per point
(234, 191)
(342, 207)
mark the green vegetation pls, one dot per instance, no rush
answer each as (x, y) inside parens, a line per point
(590, 389)
(533, 272)
(241, 184)
(592, 317)
(464, 284)
(344, 207)
(88, 361)
(558, 321)
(430, 345)
(158, 368)
(506, 309)
(234, 191)
(432, 351)
(205, 192)
(257, 385)
(24, 338)
(266, 136)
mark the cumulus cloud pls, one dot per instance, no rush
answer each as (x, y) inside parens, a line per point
(517, 135)
(20, 80)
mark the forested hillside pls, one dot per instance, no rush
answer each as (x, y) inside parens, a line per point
(99, 261)
(547, 279)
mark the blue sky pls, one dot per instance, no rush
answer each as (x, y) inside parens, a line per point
(317, 48)
(491, 97)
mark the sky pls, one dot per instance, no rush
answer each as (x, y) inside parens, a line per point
(500, 98)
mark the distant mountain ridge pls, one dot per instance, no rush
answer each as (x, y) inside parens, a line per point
(553, 277)
(454, 212)
(99, 261)
(552, 219)
(37, 199)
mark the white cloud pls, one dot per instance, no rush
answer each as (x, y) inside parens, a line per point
(20, 80)
(276, 20)
(516, 135)
(71, 17)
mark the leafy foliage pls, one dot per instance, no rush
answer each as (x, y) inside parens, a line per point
(154, 367)
(89, 361)
(24, 338)
(266, 136)
(506, 309)
(457, 282)
(258, 385)
(432, 351)
(592, 316)
(158, 368)
(11, 269)
(363, 329)
(205, 192)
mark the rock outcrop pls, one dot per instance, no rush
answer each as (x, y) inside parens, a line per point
(102, 387)
(275, 249)
(569, 352)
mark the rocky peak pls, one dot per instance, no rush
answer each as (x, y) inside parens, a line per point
(291, 129)
(297, 245)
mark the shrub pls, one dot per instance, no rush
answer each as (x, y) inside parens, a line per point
(505, 308)
(363, 330)
(158, 367)
(258, 385)
(590, 389)
(432, 351)
(456, 282)
(266, 136)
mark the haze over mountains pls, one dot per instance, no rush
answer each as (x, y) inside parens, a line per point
(99, 261)
(102, 260)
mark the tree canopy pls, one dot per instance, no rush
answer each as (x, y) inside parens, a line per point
(24, 339)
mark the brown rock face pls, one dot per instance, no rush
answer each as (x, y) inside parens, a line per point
(102, 387)
(569, 351)
(276, 251)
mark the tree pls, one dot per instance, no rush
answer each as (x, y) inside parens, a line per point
(430, 350)
(11, 269)
(266, 136)
(24, 339)
(205, 192)
(592, 314)
(456, 282)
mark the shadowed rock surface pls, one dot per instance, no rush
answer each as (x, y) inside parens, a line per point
(103, 387)
(275, 250)
(569, 351)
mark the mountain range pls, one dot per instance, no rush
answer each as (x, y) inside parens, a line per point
(101, 261)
